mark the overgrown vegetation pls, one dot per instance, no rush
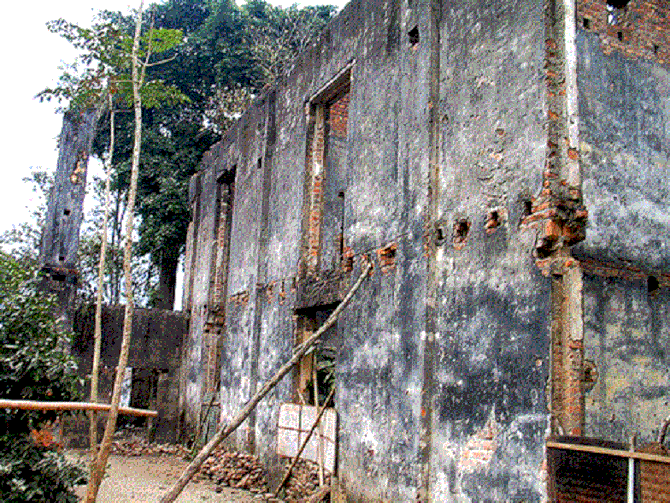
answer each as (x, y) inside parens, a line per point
(34, 365)
(228, 56)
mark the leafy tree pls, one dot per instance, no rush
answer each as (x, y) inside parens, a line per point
(23, 239)
(229, 54)
(276, 36)
(34, 365)
(144, 47)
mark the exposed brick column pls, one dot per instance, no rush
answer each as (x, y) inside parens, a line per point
(559, 218)
(316, 162)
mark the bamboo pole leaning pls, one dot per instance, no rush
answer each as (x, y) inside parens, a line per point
(72, 406)
(225, 430)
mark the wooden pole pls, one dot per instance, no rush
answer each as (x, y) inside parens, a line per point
(322, 410)
(610, 452)
(99, 407)
(319, 454)
(99, 466)
(225, 430)
(97, 331)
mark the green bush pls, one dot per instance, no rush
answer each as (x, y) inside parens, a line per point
(34, 365)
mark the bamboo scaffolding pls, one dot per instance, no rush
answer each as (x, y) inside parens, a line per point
(99, 407)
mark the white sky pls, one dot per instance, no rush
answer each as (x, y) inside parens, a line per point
(28, 128)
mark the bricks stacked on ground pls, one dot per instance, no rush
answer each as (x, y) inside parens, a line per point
(143, 448)
(304, 481)
(235, 469)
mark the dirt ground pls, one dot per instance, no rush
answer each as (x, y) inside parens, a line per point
(144, 479)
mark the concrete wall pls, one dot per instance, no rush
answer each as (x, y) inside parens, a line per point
(624, 85)
(156, 346)
(490, 355)
(477, 172)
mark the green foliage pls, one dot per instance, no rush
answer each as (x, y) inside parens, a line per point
(30, 473)
(104, 63)
(23, 239)
(275, 35)
(213, 58)
(34, 365)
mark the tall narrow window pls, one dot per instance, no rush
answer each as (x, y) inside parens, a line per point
(326, 173)
(225, 194)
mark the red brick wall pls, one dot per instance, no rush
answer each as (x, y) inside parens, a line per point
(339, 116)
(640, 30)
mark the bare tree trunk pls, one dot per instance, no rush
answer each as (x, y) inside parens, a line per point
(97, 334)
(98, 470)
(115, 288)
(225, 430)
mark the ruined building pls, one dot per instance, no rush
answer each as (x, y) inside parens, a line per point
(505, 166)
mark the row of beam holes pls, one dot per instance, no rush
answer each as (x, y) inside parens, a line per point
(462, 227)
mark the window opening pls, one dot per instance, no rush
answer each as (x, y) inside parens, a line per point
(225, 193)
(326, 161)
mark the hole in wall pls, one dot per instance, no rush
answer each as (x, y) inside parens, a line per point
(58, 277)
(66, 212)
(619, 35)
(526, 210)
(618, 4)
(586, 22)
(652, 284)
(259, 164)
(460, 234)
(590, 376)
(61, 258)
(413, 36)
(655, 49)
(493, 221)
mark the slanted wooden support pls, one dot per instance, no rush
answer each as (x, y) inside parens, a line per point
(227, 428)
(99, 407)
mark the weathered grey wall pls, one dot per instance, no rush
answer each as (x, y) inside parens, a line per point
(627, 338)
(156, 345)
(452, 184)
(491, 354)
(624, 109)
(489, 358)
(625, 145)
(59, 244)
